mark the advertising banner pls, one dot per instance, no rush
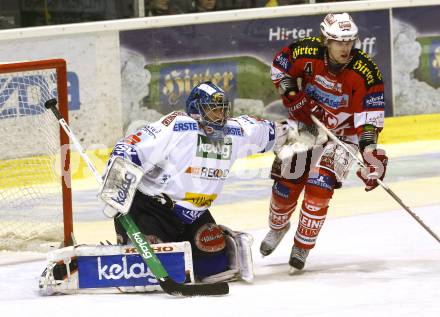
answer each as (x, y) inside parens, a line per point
(235, 55)
(93, 80)
(416, 67)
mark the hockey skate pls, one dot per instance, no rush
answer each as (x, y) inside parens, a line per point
(297, 259)
(272, 239)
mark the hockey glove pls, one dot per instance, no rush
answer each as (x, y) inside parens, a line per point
(375, 167)
(299, 106)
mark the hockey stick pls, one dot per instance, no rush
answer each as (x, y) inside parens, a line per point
(384, 186)
(136, 237)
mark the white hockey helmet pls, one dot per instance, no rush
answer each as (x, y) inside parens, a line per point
(339, 27)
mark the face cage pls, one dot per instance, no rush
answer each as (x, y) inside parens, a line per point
(205, 109)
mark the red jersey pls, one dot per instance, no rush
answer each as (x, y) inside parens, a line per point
(351, 98)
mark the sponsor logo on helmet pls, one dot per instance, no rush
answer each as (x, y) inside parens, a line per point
(345, 25)
(329, 19)
(218, 97)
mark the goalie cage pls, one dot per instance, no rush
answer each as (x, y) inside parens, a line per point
(35, 194)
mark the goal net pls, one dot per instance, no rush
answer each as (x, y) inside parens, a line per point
(35, 196)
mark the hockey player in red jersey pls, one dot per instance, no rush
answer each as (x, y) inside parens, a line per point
(340, 85)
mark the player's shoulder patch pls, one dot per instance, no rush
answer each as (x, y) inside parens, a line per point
(233, 127)
(363, 65)
(168, 119)
(308, 47)
(185, 123)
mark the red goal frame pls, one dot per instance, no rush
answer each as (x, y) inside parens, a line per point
(61, 70)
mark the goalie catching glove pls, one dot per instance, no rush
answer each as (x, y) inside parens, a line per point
(376, 162)
(239, 251)
(299, 137)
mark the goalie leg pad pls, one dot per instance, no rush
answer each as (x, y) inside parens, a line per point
(243, 242)
(209, 249)
(238, 248)
(112, 269)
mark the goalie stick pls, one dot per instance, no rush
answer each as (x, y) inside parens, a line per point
(382, 184)
(142, 246)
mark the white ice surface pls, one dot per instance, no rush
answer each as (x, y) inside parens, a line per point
(381, 264)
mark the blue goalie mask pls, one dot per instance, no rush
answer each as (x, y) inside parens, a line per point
(208, 104)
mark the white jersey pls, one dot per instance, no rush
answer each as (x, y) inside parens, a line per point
(180, 161)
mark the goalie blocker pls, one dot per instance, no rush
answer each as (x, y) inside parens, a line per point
(120, 269)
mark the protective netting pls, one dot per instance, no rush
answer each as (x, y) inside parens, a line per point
(31, 214)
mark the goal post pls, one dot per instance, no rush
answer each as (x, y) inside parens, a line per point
(35, 182)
